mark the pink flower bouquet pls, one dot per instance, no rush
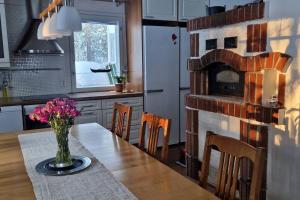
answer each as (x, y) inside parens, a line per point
(59, 114)
(61, 111)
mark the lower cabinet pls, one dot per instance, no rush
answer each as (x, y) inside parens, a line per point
(90, 112)
(135, 117)
(11, 119)
(89, 117)
(101, 111)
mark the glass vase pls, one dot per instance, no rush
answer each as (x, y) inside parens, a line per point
(63, 157)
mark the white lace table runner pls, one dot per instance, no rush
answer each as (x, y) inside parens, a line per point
(95, 183)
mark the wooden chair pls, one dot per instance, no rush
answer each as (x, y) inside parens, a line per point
(119, 114)
(232, 151)
(155, 123)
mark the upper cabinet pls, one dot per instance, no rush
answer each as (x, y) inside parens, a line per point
(173, 10)
(189, 9)
(4, 51)
(160, 9)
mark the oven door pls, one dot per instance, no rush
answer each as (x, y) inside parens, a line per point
(28, 123)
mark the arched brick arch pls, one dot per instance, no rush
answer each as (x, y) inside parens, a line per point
(272, 60)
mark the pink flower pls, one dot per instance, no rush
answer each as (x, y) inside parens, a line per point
(57, 109)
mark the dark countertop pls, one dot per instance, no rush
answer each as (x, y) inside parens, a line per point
(32, 100)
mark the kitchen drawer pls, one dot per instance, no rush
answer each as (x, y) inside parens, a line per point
(10, 109)
(134, 134)
(135, 117)
(89, 117)
(88, 105)
(11, 119)
(134, 101)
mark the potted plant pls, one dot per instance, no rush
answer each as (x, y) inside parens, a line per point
(59, 114)
(119, 85)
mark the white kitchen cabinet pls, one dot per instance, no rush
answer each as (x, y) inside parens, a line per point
(100, 111)
(11, 119)
(4, 50)
(89, 117)
(134, 134)
(90, 112)
(137, 109)
(132, 101)
(135, 117)
(189, 9)
(160, 9)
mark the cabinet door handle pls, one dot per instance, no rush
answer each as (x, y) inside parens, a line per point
(88, 114)
(89, 106)
(154, 91)
(149, 17)
(183, 19)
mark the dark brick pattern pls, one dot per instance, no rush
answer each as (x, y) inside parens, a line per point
(256, 136)
(191, 145)
(272, 60)
(194, 45)
(242, 14)
(241, 110)
(256, 37)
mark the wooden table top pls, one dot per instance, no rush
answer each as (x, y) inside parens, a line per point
(144, 176)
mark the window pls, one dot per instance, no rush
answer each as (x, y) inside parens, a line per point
(97, 46)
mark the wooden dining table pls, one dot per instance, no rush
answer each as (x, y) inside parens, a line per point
(144, 176)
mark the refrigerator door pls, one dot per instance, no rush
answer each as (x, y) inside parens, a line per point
(184, 78)
(161, 62)
(184, 55)
(182, 111)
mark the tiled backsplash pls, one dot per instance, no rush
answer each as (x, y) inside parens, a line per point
(37, 75)
(34, 74)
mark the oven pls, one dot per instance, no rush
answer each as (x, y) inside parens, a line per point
(28, 123)
(224, 80)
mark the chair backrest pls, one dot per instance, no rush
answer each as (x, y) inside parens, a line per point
(155, 123)
(120, 113)
(232, 151)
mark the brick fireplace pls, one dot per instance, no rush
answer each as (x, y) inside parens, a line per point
(232, 86)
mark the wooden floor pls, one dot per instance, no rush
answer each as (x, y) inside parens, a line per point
(175, 153)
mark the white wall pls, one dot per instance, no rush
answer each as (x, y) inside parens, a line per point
(222, 125)
(284, 145)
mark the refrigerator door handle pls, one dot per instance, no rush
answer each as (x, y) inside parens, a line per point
(184, 88)
(154, 91)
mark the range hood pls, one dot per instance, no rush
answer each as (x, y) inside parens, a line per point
(30, 43)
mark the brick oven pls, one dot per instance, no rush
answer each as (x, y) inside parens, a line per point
(237, 87)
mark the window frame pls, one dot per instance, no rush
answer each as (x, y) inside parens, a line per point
(96, 17)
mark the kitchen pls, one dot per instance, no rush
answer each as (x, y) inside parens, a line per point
(175, 59)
